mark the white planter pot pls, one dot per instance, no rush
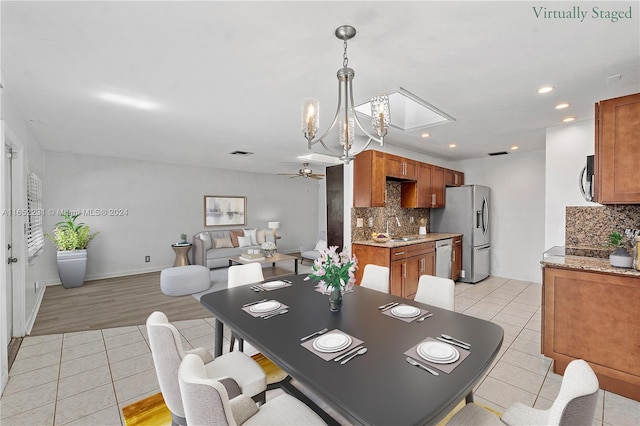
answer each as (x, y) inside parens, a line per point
(621, 259)
(72, 267)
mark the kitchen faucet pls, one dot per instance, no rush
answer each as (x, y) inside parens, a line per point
(397, 220)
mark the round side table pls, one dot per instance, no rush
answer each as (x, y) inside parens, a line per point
(182, 252)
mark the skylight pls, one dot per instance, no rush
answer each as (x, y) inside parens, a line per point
(408, 112)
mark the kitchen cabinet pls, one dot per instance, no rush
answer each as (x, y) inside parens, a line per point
(418, 194)
(453, 178)
(369, 179)
(401, 168)
(406, 264)
(437, 187)
(456, 258)
(617, 157)
(593, 316)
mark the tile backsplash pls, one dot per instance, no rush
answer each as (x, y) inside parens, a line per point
(379, 216)
(589, 227)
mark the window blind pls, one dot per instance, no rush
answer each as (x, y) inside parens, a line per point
(35, 234)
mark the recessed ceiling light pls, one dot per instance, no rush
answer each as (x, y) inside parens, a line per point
(452, 145)
(562, 105)
(545, 89)
(127, 101)
(515, 148)
(425, 135)
(568, 119)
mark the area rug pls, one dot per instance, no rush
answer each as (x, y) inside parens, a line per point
(219, 277)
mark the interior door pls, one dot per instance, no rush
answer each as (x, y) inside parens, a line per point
(8, 240)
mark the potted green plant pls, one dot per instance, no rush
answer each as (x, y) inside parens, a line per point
(620, 257)
(183, 238)
(71, 239)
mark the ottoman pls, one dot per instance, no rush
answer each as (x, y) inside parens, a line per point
(182, 280)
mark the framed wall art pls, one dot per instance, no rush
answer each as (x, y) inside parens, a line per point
(225, 210)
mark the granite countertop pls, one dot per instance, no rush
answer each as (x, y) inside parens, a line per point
(419, 239)
(582, 259)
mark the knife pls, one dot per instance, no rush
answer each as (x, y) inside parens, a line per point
(346, 354)
(317, 333)
(385, 305)
(393, 305)
(454, 343)
(446, 336)
(419, 365)
(273, 314)
(254, 303)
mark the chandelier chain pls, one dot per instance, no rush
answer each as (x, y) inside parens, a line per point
(345, 60)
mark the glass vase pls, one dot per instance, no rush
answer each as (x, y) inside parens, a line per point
(335, 299)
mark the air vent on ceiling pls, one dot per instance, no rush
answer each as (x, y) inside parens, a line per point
(241, 153)
(498, 153)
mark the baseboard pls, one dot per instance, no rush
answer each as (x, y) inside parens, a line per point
(34, 312)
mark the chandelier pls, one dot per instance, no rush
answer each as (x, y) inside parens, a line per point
(346, 117)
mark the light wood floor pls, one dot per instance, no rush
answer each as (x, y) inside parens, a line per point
(116, 302)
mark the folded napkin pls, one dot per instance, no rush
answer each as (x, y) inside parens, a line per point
(327, 356)
(445, 368)
(248, 310)
(388, 313)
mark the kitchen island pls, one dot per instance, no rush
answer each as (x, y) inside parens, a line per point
(590, 310)
(406, 260)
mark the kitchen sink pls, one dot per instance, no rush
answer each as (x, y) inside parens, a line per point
(402, 239)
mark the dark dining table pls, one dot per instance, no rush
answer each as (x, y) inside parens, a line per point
(379, 387)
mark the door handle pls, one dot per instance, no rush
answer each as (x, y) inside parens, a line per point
(12, 260)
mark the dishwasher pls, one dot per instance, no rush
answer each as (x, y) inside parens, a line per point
(443, 258)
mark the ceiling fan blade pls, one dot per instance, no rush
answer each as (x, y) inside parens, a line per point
(316, 177)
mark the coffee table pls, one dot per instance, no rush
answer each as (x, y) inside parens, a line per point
(277, 257)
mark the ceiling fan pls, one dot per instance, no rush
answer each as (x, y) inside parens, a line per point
(304, 172)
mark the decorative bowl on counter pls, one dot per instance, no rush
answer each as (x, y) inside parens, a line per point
(380, 237)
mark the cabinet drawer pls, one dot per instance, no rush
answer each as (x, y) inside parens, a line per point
(417, 249)
(398, 253)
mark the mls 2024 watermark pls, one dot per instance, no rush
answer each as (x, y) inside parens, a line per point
(60, 212)
(582, 13)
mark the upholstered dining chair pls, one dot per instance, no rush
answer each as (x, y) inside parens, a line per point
(167, 352)
(215, 401)
(375, 277)
(574, 405)
(249, 273)
(436, 291)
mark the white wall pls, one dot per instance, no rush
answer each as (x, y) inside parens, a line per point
(566, 150)
(517, 210)
(162, 201)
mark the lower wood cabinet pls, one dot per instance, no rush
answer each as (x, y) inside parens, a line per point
(406, 264)
(456, 258)
(593, 316)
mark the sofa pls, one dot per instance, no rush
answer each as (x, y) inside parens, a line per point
(214, 248)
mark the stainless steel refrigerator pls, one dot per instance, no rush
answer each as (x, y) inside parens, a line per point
(467, 212)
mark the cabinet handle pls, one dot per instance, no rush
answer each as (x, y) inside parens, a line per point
(433, 199)
(422, 265)
(454, 255)
(404, 270)
(398, 253)
(455, 179)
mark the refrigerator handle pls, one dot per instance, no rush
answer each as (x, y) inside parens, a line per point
(485, 215)
(478, 218)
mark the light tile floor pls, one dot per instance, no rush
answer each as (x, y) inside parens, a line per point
(86, 378)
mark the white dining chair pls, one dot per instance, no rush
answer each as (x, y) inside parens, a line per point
(436, 291)
(238, 275)
(575, 404)
(375, 277)
(167, 353)
(216, 401)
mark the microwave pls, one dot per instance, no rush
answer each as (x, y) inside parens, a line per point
(587, 179)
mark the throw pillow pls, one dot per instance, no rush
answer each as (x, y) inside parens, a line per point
(223, 242)
(244, 241)
(235, 233)
(251, 233)
(261, 236)
(321, 245)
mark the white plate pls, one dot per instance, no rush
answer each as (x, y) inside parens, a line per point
(438, 352)
(333, 342)
(274, 284)
(265, 306)
(405, 311)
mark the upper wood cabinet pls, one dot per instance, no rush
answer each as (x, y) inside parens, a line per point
(401, 168)
(369, 179)
(453, 178)
(617, 150)
(418, 194)
(437, 187)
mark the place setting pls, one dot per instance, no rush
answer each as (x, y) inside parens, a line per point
(445, 354)
(404, 312)
(265, 309)
(333, 345)
(270, 285)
